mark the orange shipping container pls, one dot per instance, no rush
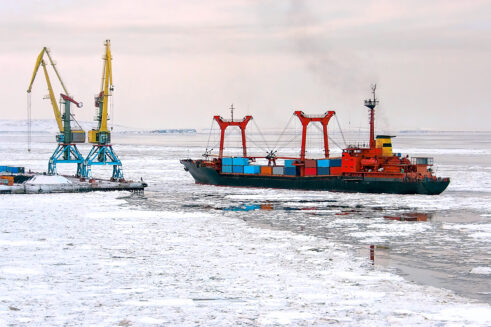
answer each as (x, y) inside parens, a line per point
(336, 170)
(266, 170)
(10, 180)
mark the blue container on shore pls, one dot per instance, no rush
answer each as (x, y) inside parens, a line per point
(239, 161)
(323, 171)
(291, 171)
(226, 169)
(252, 169)
(323, 163)
(227, 161)
(336, 162)
(238, 169)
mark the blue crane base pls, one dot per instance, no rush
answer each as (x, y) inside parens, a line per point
(67, 153)
(103, 154)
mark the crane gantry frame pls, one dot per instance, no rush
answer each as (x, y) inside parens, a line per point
(66, 151)
(102, 152)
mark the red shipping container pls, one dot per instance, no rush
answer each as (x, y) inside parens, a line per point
(310, 171)
(336, 170)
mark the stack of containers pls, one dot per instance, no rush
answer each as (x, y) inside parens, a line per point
(290, 169)
(12, 170)
(310, 167)
(7, 180)
(227, 165)
(335, 166)
(323, 167)
(238, 164)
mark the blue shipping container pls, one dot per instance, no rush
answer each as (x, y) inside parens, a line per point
(13, 170)
(290, 171)
(252, 169)
(226, 169)
(238, 169)
(289, 163)
(3, 168)
(239, 161)
(323, 171)
(324, 163)
(336, 162)
(227, 161)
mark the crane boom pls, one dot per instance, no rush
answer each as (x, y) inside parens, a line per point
(54, 104)
(108, 81)
(102, 135)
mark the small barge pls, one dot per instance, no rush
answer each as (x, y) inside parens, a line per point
(33, 183)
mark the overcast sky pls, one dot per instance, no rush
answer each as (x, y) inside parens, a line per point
(177, 63)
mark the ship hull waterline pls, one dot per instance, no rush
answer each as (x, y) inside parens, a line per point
(208, 175)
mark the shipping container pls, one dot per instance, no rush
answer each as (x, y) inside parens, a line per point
(335, 162)
(3, 168)
(291, 171)
(289, 163)
(227, 161)
(323, 171)
(336, 170)
(239, 161)
(13, 170)
(226, 169)
(323, 163)
(238, 169)
(7, 180)
(266, 170)
(310, 171)
(310, 163)
(252, 169)
(278, 170)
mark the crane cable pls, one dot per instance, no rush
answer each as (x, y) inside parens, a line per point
(261, 133)
(282, 133)
(209, 134)
(328, 137)
(341, 131)
(29, 122)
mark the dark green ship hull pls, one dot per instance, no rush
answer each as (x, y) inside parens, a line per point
(208, 175)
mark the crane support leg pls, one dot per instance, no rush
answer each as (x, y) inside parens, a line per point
(67, 153)
(103, 155)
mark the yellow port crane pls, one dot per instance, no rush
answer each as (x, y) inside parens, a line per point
(102, 152)
(67, 151)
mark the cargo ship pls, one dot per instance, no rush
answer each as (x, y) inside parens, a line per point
(372, 169)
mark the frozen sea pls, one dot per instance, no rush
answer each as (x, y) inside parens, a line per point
(194, 255)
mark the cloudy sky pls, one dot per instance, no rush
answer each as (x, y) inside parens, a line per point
(176, 63)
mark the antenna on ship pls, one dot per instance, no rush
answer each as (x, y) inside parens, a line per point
(371, 104)
(232, 111)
